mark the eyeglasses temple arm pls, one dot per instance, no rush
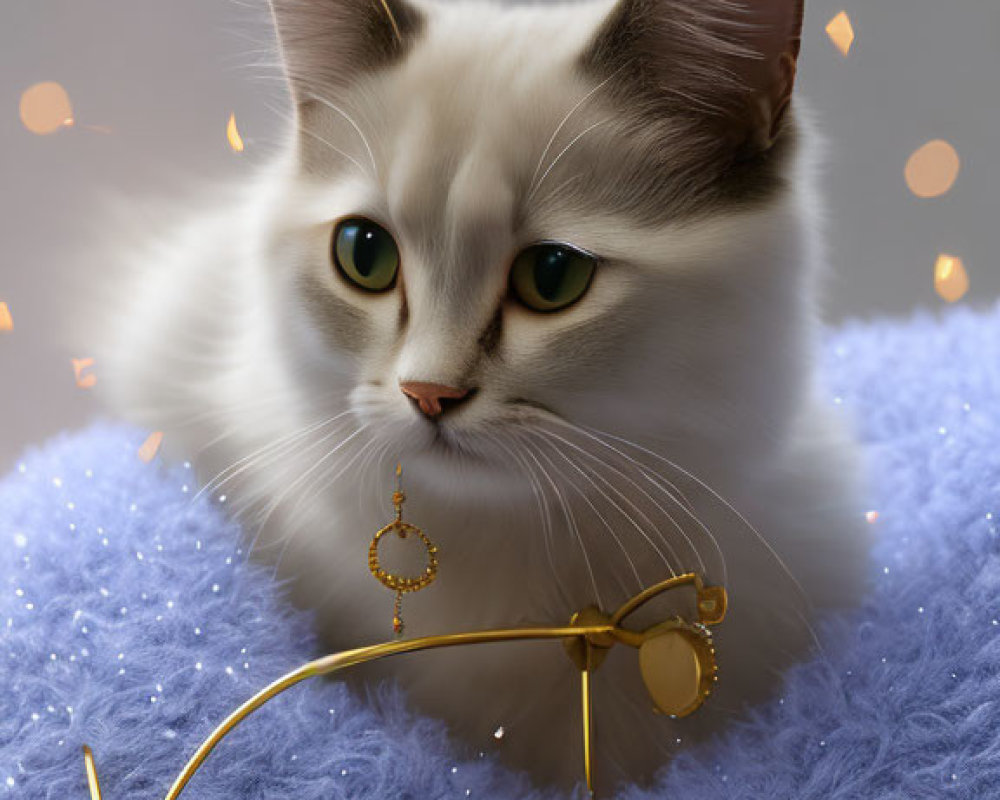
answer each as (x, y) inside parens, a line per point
(349, 658)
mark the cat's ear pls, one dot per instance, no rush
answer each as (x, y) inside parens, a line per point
(327, 44)
(733, 60)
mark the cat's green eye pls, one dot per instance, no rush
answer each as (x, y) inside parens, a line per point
(550, 277)
(366, 254)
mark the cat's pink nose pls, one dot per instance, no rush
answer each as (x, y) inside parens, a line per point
(433, 398)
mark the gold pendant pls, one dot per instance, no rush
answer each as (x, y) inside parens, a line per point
(401, 584)
(677, 662)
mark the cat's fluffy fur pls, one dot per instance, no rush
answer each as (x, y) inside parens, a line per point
(650, 132)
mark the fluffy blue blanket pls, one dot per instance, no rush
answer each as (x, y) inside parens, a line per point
(130, 620)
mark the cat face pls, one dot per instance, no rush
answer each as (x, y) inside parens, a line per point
(501, 215)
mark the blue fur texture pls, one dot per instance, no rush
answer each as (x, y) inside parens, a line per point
(130, 620)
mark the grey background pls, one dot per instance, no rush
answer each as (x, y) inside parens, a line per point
(165, 75)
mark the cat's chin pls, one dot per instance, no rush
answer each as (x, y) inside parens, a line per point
(439, 460)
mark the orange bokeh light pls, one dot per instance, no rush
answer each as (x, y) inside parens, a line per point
(233, 135)
(951, 281)
(841, 33)
(151, 446)
(45, 108)
(6, 320)
(932, 169)
(84, 381)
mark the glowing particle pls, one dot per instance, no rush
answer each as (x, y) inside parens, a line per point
(951, 281)
(841, 33)
(498, 733)
(871, 517)
(233, 134)
(87, 381)
(932, 169)
(6, 320)
(45, 108)
(151, 446)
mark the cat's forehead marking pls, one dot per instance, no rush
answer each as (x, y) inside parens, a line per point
(468, 116)
(458, 209)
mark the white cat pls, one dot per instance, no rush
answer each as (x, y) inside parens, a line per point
(559, 261)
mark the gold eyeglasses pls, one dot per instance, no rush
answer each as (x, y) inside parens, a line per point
(676, 656)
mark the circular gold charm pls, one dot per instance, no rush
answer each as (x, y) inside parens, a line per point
(401, 583)
(677, 661)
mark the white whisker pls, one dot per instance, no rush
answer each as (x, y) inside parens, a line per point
(371, 154)
(673, 493)
(562, 124)
(323, 478)
(317, 137)
(660, 508)
(273, 505)
(607, 526)
(565, 150)
(624, 513)
(781, 563)
(544, 513)
(570, 521)
(244, 463)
